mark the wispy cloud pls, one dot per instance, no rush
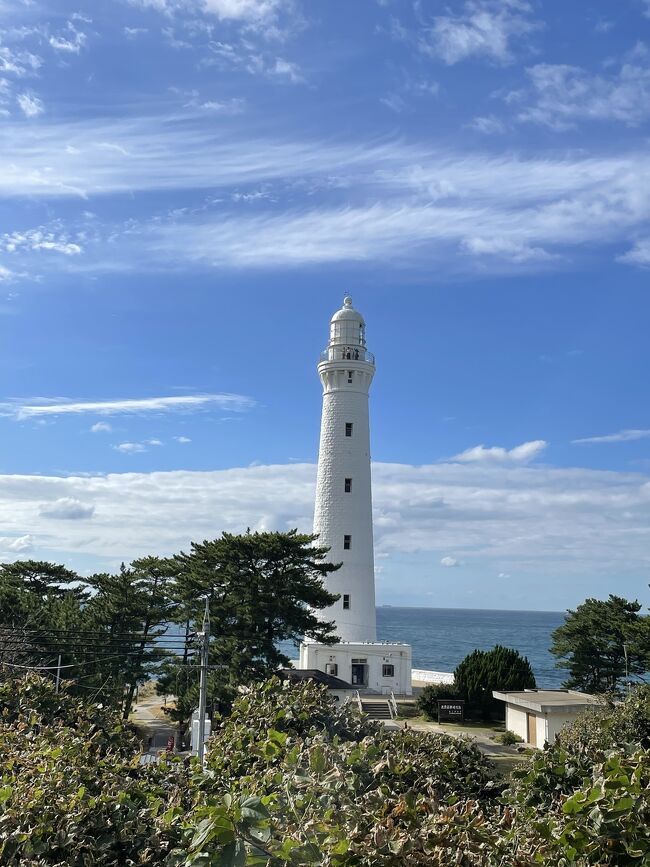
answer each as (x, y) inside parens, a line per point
(30, 104)
(566, 95)
(622, 436)
(485, 28)
(101, 427)
(522, 454)
(21, 410)
(449, 562)
(639, 254)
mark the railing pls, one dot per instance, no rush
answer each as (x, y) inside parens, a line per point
(358, 699)
(346, 353)
(392, 705)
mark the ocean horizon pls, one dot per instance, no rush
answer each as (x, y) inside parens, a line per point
(443, 637)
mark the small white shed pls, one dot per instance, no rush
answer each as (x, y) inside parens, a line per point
(537, 715)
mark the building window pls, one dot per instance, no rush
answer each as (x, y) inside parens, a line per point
(350, 376)
(331, 668)
(388, 671)
(347, 543)
(346, 601)
(348, 486)
(348, 428)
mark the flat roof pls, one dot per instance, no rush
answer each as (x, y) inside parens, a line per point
(548, 700)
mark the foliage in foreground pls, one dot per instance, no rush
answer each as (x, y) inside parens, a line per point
(293, 779)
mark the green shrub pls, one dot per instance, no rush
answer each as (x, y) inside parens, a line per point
(407, 710)
(508, 738)
(483, 671)
(428, 699)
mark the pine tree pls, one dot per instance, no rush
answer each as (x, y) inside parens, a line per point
(483, 671)
(592, 643)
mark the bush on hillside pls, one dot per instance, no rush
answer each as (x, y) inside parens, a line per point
(483, 671)
(293, 779)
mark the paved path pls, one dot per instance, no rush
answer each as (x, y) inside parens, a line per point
(482, 737)
(154, 727)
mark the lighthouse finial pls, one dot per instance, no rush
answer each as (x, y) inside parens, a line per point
(347, 301)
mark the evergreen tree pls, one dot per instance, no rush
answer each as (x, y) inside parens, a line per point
(483, 671)
(263, 588)
(128, 611)
(592, 643)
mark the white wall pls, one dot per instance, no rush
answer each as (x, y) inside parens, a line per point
(555, 723)
(399, 655)
(548, 725)
(338, 513)
(516, 721)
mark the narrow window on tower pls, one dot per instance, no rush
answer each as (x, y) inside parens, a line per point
(348, 428)
(347, 542)
(388, 671)
(348, 486)
(350, 373)
(346, 601)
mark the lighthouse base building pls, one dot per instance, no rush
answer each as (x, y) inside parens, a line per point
(343, 518)
(371, 666)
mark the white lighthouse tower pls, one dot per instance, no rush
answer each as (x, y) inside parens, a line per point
(343, 517)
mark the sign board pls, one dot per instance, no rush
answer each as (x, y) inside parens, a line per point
(451, 710)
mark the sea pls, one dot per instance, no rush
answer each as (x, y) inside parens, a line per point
(442, 637)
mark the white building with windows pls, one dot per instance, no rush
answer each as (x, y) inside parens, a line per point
(343, 518)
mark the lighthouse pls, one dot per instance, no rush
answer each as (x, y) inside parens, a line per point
(343, 517)
(343, 508)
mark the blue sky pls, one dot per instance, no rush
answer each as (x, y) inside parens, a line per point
(189, 188)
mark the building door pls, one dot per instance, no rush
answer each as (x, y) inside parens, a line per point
(531, 726)
(359, 674)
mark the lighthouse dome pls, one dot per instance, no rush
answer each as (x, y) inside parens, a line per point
(348, 313)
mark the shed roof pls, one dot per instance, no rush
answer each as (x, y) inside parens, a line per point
(296, 675)
(549, 700)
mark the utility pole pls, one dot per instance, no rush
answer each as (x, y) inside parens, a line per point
(58, 675)
(203, 688)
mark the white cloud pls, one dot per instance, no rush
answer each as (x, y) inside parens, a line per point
(5, 274)
(39, 239)
(183, 440)
(22, 410)
(30, 104)
(449, 562)
(639, 254)
(18, 63)
(522, 454)
(503, 575)
(489, 125)
(403, 201)
(101, 427)
(71, 43)
(485, 28)
(565, 95)
(16, 545)
(130, 448)
(245, 10)
(534, 522)
(67, 509)
(622, 436)
(285, 69)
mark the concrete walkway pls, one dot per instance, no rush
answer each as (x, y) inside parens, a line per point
(481, 737)
(153, 725)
